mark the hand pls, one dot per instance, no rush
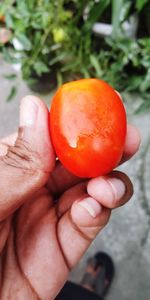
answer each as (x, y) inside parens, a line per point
(48, 216)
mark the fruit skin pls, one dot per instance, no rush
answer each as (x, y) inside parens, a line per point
(88, 127)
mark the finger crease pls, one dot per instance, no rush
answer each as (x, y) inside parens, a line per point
(69, 268)
(77, 228)
(19, 265)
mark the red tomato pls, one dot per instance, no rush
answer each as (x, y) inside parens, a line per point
(88, 127)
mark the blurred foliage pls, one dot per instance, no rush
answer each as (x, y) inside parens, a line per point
(54, 40)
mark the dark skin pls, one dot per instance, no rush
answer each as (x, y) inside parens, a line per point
(48, 216)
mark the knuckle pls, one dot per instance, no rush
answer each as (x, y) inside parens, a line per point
(82, 231)
(90, 231)
(21, 156)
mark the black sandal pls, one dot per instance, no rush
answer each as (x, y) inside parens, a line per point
(99, 274)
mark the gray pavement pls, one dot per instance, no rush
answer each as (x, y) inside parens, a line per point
(127, 237)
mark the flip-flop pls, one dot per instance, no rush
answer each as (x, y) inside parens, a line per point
(99, 274)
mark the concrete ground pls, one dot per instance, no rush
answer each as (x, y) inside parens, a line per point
(127, 237)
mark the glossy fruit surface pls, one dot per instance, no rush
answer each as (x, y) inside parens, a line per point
(88, 127)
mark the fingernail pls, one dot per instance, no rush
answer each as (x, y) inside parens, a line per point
(107, 189)
(118, 187)
(92, 206)
(28, 111)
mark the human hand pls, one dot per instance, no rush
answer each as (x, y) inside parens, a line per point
(48, 217)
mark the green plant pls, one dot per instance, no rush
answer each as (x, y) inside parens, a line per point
(140, 4)
(57, 42)
(53, 35)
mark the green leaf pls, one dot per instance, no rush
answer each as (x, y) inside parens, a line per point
(59, 79)
(8, 55)
(68, 67)
(134, 82)
(95, 13)
(40, 67)
(144, 106)
(12, 93)
(32, 81)
(85, 72)
(37, 20)
(24, 41)
(95, 63)
(116, 12)
(140, 4)
(124, 14)
(10, 76)
(57, 58)
(9, 20)
(145, 84)
(2, 9)
(20, 25)
(23, 8)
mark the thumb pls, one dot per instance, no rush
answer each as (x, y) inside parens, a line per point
(26, 166)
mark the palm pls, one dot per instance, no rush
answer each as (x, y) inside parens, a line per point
(38, 247)
(39, 242)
